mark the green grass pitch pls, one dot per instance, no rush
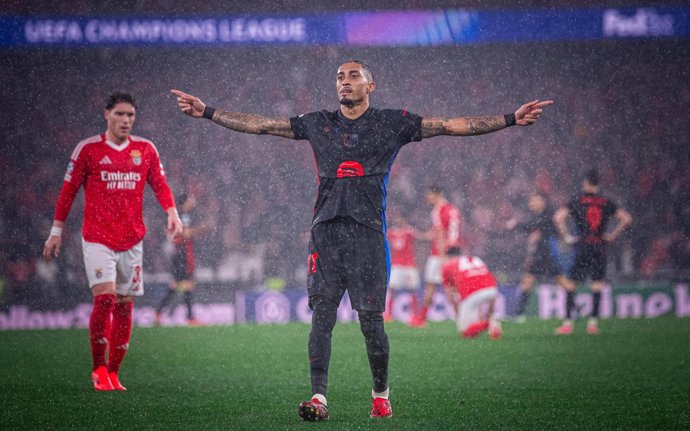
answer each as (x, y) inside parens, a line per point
(635, 375)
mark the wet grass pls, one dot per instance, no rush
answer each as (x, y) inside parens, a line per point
(635, 375)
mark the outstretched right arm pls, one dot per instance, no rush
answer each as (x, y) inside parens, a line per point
(240, 122)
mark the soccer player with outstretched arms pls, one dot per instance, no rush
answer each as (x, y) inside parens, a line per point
(354, 147)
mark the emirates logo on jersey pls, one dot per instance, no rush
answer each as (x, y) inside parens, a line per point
(136, 157)
(120, 180)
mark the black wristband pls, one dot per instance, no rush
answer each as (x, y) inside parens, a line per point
(510, 119)
(208, 113)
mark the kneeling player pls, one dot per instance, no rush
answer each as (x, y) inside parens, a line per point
(477, 288)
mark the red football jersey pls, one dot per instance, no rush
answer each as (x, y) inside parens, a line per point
(401, 241)
(114, 177)
(467, 274)
(446, 217)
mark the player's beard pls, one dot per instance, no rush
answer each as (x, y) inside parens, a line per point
(348, 103)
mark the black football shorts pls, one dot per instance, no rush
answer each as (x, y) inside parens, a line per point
(590, 260)
(346, 255)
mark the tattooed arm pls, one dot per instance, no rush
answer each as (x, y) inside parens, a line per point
(255, 124)
(470, 126)
(240, 122)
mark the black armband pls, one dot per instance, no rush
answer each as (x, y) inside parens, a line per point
(510, 119)
(208, 113)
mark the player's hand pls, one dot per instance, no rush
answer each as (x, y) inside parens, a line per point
(175, 226)
(570, 240)
(529, 112)
(190, 105)
(608, 237)
(52, 247)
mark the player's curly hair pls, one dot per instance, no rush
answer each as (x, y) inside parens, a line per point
(120, 97)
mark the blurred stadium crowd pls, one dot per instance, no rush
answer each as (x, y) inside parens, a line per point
(621, 108)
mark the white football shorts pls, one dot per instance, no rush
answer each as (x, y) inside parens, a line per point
(432, 271)
(471, 307)
(404, 278)
(122, 267)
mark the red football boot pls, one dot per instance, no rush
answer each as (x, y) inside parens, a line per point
(495, 332)
(565, 329)
(475, 329)
(592, 329)
(417, 322)
(115, 381)
(101, 380)
(313, 410)
(381, 408)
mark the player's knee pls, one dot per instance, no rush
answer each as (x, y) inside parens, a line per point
(121, 299)
(366, 316)
(324, 315)
(320, 302)
(370, 322)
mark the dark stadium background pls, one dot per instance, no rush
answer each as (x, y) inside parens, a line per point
(621, 106)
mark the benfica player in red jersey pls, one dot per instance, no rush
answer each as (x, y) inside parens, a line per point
(477, 289)
(354, 147)
(445, 240)
(113, 168)
(404, 275)
(591, 212)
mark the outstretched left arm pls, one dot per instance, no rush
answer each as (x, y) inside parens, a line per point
(526, 115)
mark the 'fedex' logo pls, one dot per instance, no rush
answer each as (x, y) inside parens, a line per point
(645, 22)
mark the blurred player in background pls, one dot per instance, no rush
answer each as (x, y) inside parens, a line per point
(182, 259)
(591, 212)
(541, 260)
(354, 147)
(477, 289)
(404, 275)
(113, 168)
(445, 240)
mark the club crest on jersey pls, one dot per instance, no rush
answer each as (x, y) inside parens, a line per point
(99, 272)
(136, 157)
(350, 140)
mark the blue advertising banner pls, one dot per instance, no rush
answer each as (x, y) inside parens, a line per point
(292, 305)
(379, 28)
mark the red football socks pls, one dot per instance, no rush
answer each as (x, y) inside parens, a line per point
(119, 335)
(423, 312)
(98, 327)
(475, 329)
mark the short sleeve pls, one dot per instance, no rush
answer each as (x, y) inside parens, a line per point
(298, 128)
(411, 126)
